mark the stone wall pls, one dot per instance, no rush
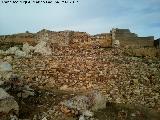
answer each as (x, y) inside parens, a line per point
(72, 38)
(103, 39)
(157, 43)
(19, 38)
(7, 41)
(136, 42)
(79, 37)
(60, 38)
(127, 38)
(63, 38)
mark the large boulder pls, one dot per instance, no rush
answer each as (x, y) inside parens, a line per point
(12, 50)
(85, 104)
(5, 71)
(5, 67)
(20, 54)
(116, 43)
(98, 101)
(92, 101)
(42, 48)
(80, 103)
(7, 103)
(2, 52)
(27, 48)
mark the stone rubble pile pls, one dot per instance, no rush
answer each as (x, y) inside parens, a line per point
(122, 79)
(57, 70)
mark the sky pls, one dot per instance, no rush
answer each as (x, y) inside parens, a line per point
(91, 16)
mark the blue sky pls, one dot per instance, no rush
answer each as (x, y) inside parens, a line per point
(92, 16)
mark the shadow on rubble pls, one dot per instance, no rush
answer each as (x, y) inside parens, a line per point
(41, 102)
(115, 111)
(44, 100)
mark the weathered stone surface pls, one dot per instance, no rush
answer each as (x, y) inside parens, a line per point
(27, 48)
(99, 101)
(25, 94)
(12, 50)
(1, 82)
(92, 101)
(5, 67)
(88, 113)
(42, 48)
(8, 59)
(82, 117)
(116, 43)
(13, 117)
(44, 118)
(15, 51)
(79, 103)
(20, 53)
(7, 103)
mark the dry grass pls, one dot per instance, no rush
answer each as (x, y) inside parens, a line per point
(143, 52)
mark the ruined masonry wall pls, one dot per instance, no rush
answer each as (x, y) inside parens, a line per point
(63, 38)
(129, 39)
(18, 39)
